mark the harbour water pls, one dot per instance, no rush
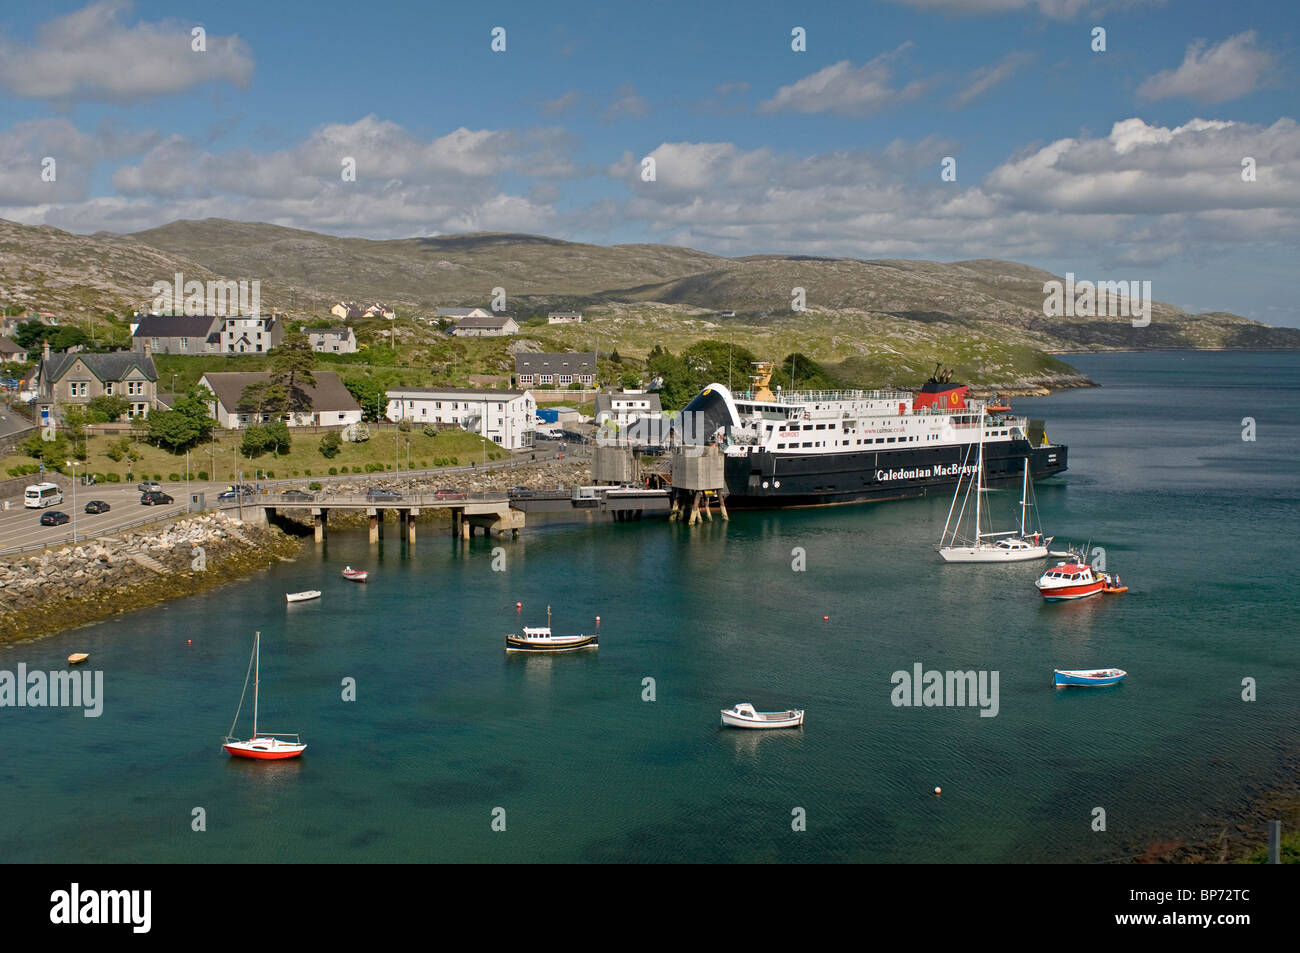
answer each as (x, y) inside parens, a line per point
(445, 727)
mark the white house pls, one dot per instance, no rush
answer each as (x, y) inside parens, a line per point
(564, 317)
(503, 416)
(331, 404)
(250, 335)
(626, 407)
(338, 340)
(489, 326)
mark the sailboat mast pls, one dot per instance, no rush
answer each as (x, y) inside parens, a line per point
(1024, 499)
(979, 478)
(257, 675)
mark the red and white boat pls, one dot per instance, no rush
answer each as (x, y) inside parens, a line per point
(1070, 580)
(268, 745)
(356, 575)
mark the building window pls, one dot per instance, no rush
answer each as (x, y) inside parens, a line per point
(108, 387)
(547, 378)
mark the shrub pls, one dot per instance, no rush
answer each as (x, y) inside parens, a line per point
(424, 464)
(203, 475)
(330, 445)
(306, 473)
(113, 478)
(270, 474)
(430, 430)
(157, 478)
(295, 472)
(404, 425)
(173, 478)
(334, 471)
(313, 486)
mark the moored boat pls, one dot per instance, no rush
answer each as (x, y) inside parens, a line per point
(267, 745)
(541, 639)
(76, 657)
(743, 715)
(356, 575)
(302, 596)
(1071, 580)
(1087, 678)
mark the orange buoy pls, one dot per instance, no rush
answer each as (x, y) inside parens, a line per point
(518, 606)
(826, 618)
(597, 620)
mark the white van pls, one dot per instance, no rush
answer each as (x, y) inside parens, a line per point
(42, 494)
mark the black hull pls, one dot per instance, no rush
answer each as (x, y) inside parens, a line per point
(765, 480)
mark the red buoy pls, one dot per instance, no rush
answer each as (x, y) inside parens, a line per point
(518, 606)
(826, 618)
(597, 620)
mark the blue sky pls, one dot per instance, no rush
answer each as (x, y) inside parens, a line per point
(1117, 164)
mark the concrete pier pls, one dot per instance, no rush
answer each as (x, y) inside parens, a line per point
(320, 517)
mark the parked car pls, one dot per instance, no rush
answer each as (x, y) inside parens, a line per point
(54, 518)
(154, 498)
(234, 494)
(296, 496)
(148, 487)
(97, 506)
(374, 495)
(450, 495)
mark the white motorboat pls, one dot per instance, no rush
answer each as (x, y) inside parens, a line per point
(540, 639)
(302, 596)
(743, 715)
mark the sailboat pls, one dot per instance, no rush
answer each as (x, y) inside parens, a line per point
(988, 547)
(269, 745)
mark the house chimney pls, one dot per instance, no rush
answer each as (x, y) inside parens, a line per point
(147, 349)
(45, 350)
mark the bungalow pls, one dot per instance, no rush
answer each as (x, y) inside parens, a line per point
(346, 310)
(491, 326)
(10, 352)
(555, 370)
(378, 310)
(338, 340)
(73, 379)
(459, 313)
(331, 404)
(564, 317)
(503, 416)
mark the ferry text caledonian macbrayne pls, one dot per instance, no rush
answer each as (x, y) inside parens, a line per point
(810, 448)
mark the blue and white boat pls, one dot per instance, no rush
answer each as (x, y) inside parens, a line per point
(1088, 678)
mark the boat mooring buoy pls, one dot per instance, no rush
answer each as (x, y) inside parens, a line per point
(826, 618)
(519, 606)
(938, 791)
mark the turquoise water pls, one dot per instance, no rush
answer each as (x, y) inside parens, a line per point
(446, 727)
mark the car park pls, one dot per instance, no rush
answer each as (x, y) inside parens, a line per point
(97, 506)
(154, 498)
(54, 518)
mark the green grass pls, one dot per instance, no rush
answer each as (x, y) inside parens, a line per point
(223, 461)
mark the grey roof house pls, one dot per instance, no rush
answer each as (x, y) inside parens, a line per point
(555, 370)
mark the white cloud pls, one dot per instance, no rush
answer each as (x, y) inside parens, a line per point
(627, 104)
(93, 55)
(845, 90)
(25, 146)
(986, 77)
(1056, 9)
(1231, 69)
(561, 104)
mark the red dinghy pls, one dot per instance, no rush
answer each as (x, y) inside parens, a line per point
(356, 575)
(269, 745)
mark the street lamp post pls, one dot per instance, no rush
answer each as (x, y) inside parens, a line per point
(74, 501)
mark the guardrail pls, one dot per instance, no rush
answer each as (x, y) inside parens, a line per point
(86, 539)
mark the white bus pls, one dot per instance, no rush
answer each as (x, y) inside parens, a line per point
(42, 494)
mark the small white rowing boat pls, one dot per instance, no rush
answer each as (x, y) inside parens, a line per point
(302, 596)
(744, 716)
(76, 657)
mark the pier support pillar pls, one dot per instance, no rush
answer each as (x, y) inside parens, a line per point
(456, 517)
(466, 527)
(722, 507)
(380, 518)
(410, 525)
(708, 508)
(320, 517)
(374, 525)
(695, 509)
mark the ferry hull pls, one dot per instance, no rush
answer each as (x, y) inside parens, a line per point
(766, 480)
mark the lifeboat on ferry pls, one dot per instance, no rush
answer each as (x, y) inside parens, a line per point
(1066, 581)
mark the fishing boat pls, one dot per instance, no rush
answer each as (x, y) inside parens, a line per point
(267, 745)
(76, 657)
(1069, 580)
(356, 575)
(989, 547)
(302, 596)
(743, 715)
(541, 639)
(1087, 678)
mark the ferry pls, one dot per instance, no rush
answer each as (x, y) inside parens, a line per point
(810, 448)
